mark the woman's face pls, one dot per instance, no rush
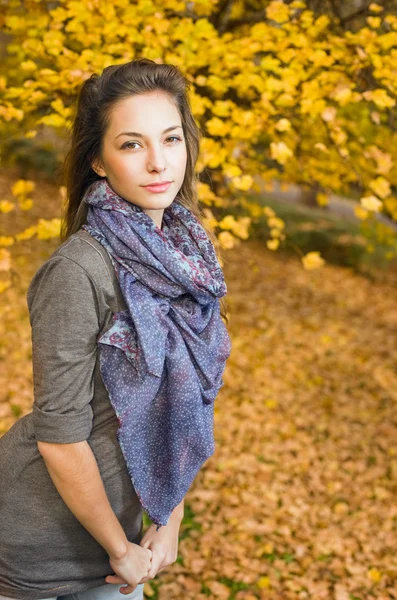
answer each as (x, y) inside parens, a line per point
(137, 151)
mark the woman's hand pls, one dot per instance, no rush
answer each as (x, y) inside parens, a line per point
(130, 569)
(163, 544)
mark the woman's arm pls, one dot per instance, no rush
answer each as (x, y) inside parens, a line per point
(74, 472)
(178, 511)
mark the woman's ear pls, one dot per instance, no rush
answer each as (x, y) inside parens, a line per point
(97, 167)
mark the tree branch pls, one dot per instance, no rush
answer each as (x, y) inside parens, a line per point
(222, 17)
(335, 8)
(362, 10)
(256, 17)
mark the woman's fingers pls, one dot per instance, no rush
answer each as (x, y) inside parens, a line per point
(127, 590)
(114, 579)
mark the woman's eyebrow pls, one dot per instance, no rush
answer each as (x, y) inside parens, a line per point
(137, 134)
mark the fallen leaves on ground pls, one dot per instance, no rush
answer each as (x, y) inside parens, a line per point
(299, 499)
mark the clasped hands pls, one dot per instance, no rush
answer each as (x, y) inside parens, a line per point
(156, 551)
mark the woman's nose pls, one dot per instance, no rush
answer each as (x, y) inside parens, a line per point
(156, 160)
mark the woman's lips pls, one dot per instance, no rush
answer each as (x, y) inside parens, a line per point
(158, 188)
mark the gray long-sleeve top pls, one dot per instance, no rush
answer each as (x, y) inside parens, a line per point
(44, 549)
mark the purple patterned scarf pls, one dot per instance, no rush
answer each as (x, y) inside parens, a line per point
(163, 358)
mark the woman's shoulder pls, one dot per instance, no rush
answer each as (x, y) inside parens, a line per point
(80, 257)
(88, 253)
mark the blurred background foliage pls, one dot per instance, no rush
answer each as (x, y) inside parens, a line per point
(298, 94)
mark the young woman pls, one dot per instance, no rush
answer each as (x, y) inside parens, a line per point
(128, 350)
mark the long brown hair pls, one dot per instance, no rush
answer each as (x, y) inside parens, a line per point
(95, 101)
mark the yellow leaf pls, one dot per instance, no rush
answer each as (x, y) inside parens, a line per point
(276, 222)
(375, 7)
(275, 232)
(361, 213)
(268, 548)
(231, 170)
(27, 233)
(22, 187)
(383, 159)
(380, 98)
(341, 508)
(28, 65)
(15, 23)
(201, 80)
(254, 209)
(269, 212)
(380, 186)
(283, 125)
(25, 203)
(47, 229)
(329, 113)
(10, 112)
(277, 11)
(222, 108)
(374, 575)
(374, 22)
(312, 260)
(320, 24)
(269, 63)
(381, 493)
(203, 28)
(53, 120)
(371, 203)
(227, 222)
(280, 152)
(212, 153)
(391, 204)
(6, 206)
(59, 106)
(4, 285)
(273, 244)
(216, 126)
(271, 404)
(243, 183)
(5, 259)
(342, 94)
(240, 228)
(322, 199)
(264, 582)
(6, 240)
(226, 240)
(148, 590)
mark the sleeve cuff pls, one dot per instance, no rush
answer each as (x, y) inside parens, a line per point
(62, 428)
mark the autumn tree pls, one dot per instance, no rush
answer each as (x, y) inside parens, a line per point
(287, 95)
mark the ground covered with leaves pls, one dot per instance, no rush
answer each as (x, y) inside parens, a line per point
(299, 499)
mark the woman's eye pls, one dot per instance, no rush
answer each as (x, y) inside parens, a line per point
(128, 144)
